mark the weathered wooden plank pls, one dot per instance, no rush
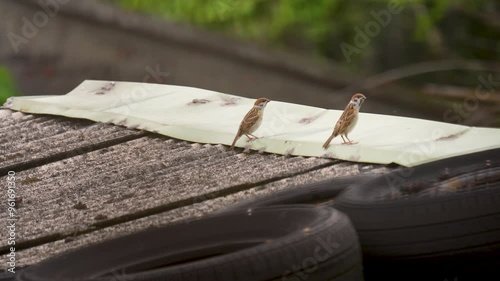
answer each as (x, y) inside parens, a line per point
(138, 178)
(27, 141)
(63, 244)
(20, 127)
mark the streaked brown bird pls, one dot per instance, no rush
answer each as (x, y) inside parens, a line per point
(347, 120)
(251, 122)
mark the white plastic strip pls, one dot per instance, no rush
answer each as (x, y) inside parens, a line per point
(204, 116)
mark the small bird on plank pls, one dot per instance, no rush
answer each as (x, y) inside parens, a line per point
(252, 121)
(347, 120)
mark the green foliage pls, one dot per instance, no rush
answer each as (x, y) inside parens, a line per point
(7, 87)
(425, 21)
(307, 24)
(317, 26)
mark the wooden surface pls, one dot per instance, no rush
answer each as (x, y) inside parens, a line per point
(81, 182)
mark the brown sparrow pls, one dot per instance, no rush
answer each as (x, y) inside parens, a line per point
(347, 120)
(251, 122)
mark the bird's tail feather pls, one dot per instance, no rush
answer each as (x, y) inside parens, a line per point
(234, 141)
(327, 143)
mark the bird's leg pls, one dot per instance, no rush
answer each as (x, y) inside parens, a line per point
(251, 137)
(350, 141)
(344, 142)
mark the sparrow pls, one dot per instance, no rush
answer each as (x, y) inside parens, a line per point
(251, 122)
(347, 120)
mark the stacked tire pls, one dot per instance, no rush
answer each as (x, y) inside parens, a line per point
(296, 242)
(437, 221)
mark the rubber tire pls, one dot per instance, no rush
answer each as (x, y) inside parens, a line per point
(312, 193)
(265, 244)
(452, 233)
(7, 276)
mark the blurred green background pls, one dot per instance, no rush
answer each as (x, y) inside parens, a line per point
(421, 31)
(7, 87)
